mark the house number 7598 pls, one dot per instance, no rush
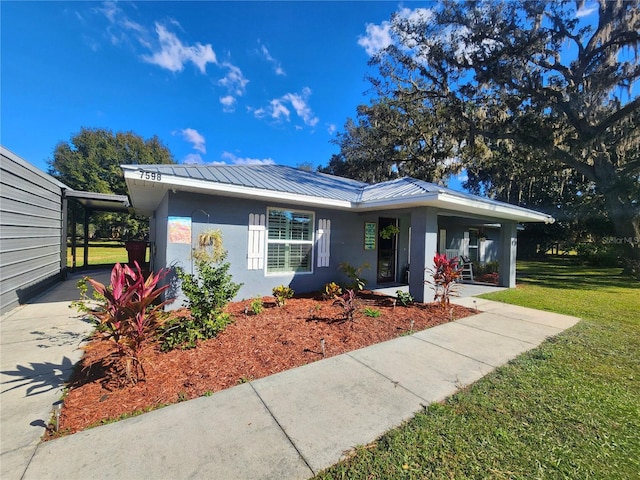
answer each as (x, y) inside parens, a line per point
(156, 177)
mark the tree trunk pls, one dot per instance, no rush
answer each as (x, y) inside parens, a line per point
(626, 222)
(624, 214)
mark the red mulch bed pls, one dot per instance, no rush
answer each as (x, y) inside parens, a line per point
(254, 346)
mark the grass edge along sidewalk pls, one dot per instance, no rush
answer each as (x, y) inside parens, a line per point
(567, 409)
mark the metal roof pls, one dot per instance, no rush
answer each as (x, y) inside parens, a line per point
(148, 184)
(104, 202)
(277, 178)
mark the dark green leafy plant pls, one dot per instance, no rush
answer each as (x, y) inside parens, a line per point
(355, 275)
(404, 298)
(389, 231)
(208, 292)
(129, 315)
(282, 293)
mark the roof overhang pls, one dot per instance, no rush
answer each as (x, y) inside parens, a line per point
(147, 194)
(147, 191)
(103, 202)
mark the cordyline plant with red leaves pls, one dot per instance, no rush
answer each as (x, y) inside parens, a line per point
(129, 314)
(445, 274)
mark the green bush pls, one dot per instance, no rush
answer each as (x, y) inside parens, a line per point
(404, 298)
(208, 292)
(371, 312)
(282, 294)
(355, 275)
(185, 332)
(485, 268)
(599, 255)
(256, 305)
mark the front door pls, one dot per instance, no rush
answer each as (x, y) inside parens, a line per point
(387, 248)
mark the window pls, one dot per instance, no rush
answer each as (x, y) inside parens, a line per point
(289, 241)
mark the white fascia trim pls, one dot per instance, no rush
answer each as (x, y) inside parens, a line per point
(512, 212)
(402, 202)
(170, 181)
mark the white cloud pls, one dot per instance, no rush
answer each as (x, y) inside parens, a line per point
(246, 161)
(376, 38)
(299, 103)
(228, 103)
(279, 108)
(379, 37)
(331, 128)
(277, 68)
(192, 158)
(119, 26)
(173, 54)
(195, 138)
(234, 80)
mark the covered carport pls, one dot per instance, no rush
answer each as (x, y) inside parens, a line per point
(33, 227)
(91, 203)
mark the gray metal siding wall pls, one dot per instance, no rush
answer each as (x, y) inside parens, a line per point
(31, 224)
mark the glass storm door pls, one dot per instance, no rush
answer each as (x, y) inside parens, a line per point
(387, 248)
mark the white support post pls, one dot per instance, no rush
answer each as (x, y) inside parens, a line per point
(424, 246)
(508, 252)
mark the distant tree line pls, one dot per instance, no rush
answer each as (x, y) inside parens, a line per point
(91, 161)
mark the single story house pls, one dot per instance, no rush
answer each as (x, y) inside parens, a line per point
(285, 226)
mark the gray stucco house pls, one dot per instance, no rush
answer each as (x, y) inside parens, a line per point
(284, 226)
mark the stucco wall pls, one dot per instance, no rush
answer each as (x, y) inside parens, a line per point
(232, 217)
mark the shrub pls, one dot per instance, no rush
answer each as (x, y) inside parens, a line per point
(404, 298)
(282, 294)
(348, 303)
(129, 315)
(371, 312)
(445, 274)
(208, 292)
(600, 255)
(256, 305)
(331, 290)
(354, 274)
(184, 332)
(485, 268)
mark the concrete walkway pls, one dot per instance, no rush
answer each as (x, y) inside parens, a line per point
(287, 426)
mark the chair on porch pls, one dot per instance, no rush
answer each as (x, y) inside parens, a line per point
(451, 253)
(466, 268)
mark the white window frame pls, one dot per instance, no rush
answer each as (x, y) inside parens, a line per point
(310, 242)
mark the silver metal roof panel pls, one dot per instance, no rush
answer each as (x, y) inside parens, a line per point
(277, 178)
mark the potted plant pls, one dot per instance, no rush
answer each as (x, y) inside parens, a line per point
(389, 231)
(136, 246)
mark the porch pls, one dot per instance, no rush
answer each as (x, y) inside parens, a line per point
(463, 289)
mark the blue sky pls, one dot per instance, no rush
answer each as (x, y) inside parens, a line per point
(232, 82)
(216, 81)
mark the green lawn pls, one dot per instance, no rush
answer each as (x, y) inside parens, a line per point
(100, 253)
(568, 409)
